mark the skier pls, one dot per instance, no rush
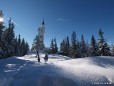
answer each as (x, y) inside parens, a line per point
(38, 57)
(46, 57)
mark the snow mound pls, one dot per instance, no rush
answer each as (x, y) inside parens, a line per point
(89, 70)
(58, 71)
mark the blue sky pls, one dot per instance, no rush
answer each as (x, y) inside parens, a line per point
(61, 18)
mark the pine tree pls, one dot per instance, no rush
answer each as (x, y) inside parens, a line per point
(83, 47)
(112, 51)
(22, 52)
(12, 37)
(88, 50)
(73, 47)
(78, 49)
(104, 49)
(93, 47)
(52, 50)
(55, 46)
(62, 46)
(9, 39)
(26, 47)
(6, 45)
(16, 47)
(67, 45)
(1, 35)
(19, 45)
(36, 44)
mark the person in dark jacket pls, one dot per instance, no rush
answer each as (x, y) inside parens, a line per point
(38, 57)
(46, 57)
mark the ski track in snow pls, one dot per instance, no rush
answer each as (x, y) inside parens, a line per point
(58, 71)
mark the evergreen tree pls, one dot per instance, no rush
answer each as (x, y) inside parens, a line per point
(1, 35)
(83, 47)
(16, 46)
(36, 44)
(52, 50)
(78, 49)
(104, 49)
(93, 47)
(12, 37)
(55, 46)
(88, 50)
(6, 45)
(19, 45)
(9, 38)
(73, 47)
(67, 45)
(23, 47)
(112, 51)
(26, 47)
(63, 46)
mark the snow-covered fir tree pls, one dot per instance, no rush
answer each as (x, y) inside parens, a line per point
(51, 50)
(53, 46)
(35, 44)
(104, 49)
(78, 49)
(1, 34)
(112, 50)
(65, 46)
(16, 46)
(26, 48)
(9, 38)
(93, 47)
(62, 46)
(88, 50)
(22, 47)
(83, 48)
(19, 45)
(73, 46)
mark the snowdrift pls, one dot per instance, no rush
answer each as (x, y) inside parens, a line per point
(90, 70)
(58, 71)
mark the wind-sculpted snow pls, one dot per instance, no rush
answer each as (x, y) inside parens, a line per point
(58, 71)
(90, 70)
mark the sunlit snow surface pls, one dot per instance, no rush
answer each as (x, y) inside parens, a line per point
(58, 71)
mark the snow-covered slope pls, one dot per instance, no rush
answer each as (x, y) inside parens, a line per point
(58, 71)
(90, 70)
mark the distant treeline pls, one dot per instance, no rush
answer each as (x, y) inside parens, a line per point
(77, 49)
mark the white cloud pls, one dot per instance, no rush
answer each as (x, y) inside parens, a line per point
(62, 20)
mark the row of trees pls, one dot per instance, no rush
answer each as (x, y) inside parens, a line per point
(53, 47)
(76, 49)
(9, 44)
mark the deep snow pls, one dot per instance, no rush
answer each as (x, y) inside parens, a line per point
(58, 71)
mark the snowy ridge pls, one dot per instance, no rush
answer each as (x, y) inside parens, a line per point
(90, 69)
(58, 71)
